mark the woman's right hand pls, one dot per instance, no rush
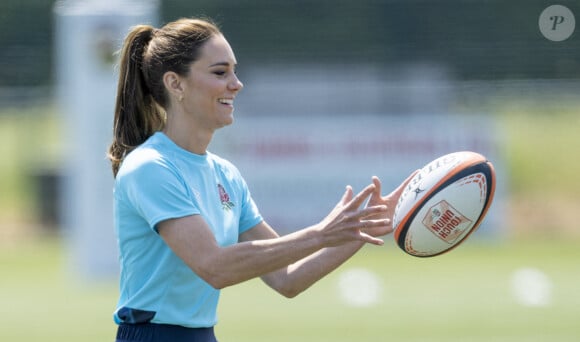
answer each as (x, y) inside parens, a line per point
(347, 221)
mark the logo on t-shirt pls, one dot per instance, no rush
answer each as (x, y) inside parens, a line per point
(225, 198)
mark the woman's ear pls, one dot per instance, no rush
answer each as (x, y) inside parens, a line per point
(172, 82)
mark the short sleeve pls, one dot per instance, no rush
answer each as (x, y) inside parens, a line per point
(157, 192)
(250, 215)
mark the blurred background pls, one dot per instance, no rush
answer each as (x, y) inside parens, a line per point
(339, 90)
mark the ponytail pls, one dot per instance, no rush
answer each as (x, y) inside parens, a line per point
(137, 115)
(146, 56)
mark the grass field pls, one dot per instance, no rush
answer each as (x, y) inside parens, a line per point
(466, 295)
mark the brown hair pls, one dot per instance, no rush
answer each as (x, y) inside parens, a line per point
(147, 54)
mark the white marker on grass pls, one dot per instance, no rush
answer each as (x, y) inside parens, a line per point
(359, 287)
(531, 287)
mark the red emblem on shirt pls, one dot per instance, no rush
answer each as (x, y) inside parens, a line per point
(225, 198)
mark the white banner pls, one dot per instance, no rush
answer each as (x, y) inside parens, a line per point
(298, 166)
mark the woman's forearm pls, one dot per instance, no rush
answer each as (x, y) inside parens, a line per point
(299, 276)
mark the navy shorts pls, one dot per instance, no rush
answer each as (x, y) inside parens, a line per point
(151, 332)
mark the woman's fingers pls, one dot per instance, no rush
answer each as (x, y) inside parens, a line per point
(360, 198)
(347, 196)
(352, 222)
(399, 190)
(371, 239)
(357, 220)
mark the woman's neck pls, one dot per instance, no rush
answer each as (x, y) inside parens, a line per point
(188, 137)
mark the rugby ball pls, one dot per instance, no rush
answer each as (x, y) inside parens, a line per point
(444, 203)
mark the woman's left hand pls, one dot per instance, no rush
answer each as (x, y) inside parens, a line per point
(390, 201)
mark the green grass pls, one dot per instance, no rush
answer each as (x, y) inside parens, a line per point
(461, 296)
(42, 302)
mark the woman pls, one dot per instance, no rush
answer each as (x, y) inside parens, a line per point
(184, 218)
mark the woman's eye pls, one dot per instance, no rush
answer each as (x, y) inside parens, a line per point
(219, 73)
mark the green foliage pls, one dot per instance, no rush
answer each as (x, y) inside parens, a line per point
(30, 144)
(542, 142)
(491, 39)
(26, 40)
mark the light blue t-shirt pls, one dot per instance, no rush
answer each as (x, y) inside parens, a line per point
(158, 181)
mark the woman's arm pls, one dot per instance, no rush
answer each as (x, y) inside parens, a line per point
(299, 276)
(192, 240)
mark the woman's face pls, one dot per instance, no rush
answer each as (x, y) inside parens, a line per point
(211, 85)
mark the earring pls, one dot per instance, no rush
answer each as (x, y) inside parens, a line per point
(180, 98)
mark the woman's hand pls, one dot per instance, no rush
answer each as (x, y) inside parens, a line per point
(390, 201)
(349, 222)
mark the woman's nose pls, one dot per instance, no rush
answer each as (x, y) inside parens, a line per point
(236, 84)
